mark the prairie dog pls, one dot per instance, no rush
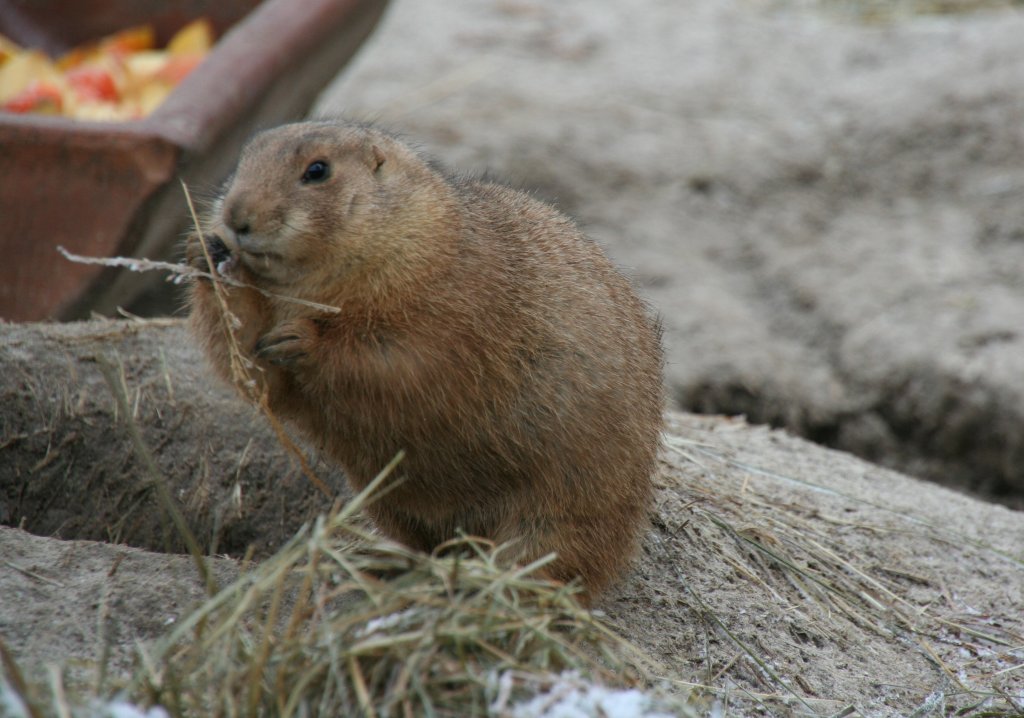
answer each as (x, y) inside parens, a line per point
(480, 331)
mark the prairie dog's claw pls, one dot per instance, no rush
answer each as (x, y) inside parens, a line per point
(288, 344)
(220, 256)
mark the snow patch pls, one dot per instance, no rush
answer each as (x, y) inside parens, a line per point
(573, 697)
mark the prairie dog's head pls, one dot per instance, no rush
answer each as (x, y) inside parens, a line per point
(311, 202)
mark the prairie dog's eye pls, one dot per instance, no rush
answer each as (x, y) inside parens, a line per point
(317, 171)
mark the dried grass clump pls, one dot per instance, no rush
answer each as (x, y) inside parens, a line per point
(342, 622)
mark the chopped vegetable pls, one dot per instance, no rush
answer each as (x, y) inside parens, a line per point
(36, 97)
(93, 84)
(120, 77)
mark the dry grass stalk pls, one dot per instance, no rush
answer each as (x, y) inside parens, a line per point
(182, 272)
(243, 370)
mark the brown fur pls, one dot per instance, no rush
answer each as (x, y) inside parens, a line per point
(480, 332)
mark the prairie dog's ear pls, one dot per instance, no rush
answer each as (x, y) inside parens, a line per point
(374, 157)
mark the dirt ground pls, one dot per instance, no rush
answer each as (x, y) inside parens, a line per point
(826, 215)
(778, 576)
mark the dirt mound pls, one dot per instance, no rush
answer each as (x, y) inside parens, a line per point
(777, 575)
(68, 473)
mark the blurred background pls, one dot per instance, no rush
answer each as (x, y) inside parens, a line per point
(821, 199)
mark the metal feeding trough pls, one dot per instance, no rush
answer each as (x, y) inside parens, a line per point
(112, 188)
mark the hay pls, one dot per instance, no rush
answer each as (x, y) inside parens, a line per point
(343, 622)
(800, 557)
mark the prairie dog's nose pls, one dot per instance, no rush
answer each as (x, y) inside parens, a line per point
(237, 218)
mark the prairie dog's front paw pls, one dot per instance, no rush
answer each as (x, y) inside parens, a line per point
(288, 344)
(221, 258)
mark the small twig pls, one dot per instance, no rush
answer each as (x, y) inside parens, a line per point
(183, 271)
(32, 574)
(240, 365)
(1018, 667)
